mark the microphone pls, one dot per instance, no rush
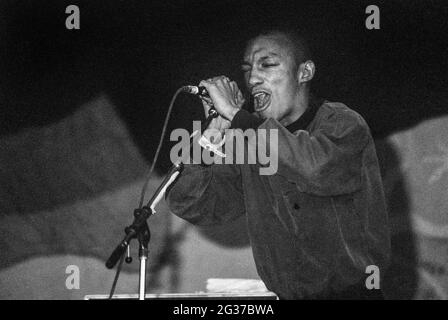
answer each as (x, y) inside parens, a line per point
(196, 90)
(201, 92)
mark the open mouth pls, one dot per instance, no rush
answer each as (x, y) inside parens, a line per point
(261, 100)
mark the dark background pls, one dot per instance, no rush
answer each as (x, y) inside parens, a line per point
(140, 52)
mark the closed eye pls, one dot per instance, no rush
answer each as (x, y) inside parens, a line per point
(269, 65)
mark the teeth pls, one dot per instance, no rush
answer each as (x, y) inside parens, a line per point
(260, 99)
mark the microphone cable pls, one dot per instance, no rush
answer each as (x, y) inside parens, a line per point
(145, 186)
(159, 147)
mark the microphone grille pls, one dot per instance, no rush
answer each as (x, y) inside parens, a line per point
(191, 89)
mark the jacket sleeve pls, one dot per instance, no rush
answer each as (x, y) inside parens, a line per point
(327, 161)
(207, 195)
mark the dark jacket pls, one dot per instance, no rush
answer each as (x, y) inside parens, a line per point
(316, 224)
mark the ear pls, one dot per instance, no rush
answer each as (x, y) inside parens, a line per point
(306, 71)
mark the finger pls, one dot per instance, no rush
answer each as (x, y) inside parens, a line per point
(234, 87)
(222, 82)
(207, 107)
(240, 98)
(220, 78)
(205, 83)
(235, 91)
(206, 103)
(206, 100)
(230, 86)
(210, 85)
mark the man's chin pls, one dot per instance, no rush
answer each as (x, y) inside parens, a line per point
(263, 113)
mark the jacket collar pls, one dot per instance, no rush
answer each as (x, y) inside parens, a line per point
(305, 119)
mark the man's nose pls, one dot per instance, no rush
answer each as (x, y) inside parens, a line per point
(254, 79)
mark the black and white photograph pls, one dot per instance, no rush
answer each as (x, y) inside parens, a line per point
(243, 151)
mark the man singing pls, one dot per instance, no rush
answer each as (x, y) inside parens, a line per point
(320, 220)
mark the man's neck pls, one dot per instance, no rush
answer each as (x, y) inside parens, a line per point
(300, 107)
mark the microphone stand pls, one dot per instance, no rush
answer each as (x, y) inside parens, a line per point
(139, 228)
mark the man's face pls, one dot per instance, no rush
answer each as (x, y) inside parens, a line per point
(270, 74)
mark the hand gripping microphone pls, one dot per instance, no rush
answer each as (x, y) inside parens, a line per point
(201, 92)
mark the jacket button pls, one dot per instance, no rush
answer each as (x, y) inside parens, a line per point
(296, 206)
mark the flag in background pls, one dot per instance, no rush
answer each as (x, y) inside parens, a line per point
(68, 190)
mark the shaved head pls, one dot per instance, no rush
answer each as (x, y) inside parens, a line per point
(292, 40)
